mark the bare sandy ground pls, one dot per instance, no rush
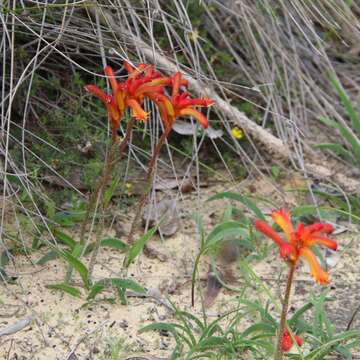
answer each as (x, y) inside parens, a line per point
(63, 327)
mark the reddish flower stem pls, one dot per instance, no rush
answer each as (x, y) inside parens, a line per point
(106, 179)
(285, 306)
(148, 180)
(97, 195)
(106, 175)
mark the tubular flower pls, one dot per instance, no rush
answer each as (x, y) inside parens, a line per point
(180, 104)
(129, 93)
(110, 104)
(141, 82)
(299, 241)
(287, 341)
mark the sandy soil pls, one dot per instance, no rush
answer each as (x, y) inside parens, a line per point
(63, 327)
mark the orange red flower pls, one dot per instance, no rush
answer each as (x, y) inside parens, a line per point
(287, 340)
(129, 93)
(142, 82)
(180, 104)
(299, 241)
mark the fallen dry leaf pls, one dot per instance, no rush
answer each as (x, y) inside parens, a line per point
(164, 214)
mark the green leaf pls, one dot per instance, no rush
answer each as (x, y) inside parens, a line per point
(159, 326)
(77, 250)
(135, 250)
(212, 342)
(4, 258)
(36, 243)
(337, 149)
(310, 210)
(345, 353)
(262, 327)
(199, 224)
(96, 289)
(114, 243)
(329, 122)
(276, 171)
(348, 136)
(77, 265)
(108, 194)
(69, 218)
(115, 282)
(66, 288)
(64, 238)
(128, 284)
(243, 199)
(298, 313)
(171, 328)
(228, 212)
(185, 314)
(122, 296)
(354, 116)
(89, 248)
(230, 228)
(326, 348)
(4, 276)
(51, 255)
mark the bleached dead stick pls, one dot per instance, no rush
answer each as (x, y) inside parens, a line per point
(84, 337)
(273, 145)
(19, 325)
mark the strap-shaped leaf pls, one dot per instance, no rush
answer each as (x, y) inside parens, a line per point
(243, 199)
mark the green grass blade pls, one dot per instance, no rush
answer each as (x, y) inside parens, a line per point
(171, 328)
(66, 288)
(326, 348)
(128, 284)
(96, 289)
(4, 258)
(51, 255)
(114, 243)
(69, 218)
(64, 238)
(338, 150)
(77, 265)
(348, 136)
(261, 327)
(300, 312)
(115, 282)
(135, 249)
(243, 199)
(354, 116)
(230, 228)
(77, 250)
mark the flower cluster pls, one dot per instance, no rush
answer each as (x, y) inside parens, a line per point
(143, 82)
(287, 341)
(300, 241)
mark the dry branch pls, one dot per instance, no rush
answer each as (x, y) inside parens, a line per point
(273, 145)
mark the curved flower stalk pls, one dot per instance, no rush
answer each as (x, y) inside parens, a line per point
(129, 93)
(141, 82)
(170, 108)
(298, 243)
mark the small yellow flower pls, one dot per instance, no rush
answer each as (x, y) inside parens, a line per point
(128, 185)
(194, 35)
(237, 133)
(55, 163)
